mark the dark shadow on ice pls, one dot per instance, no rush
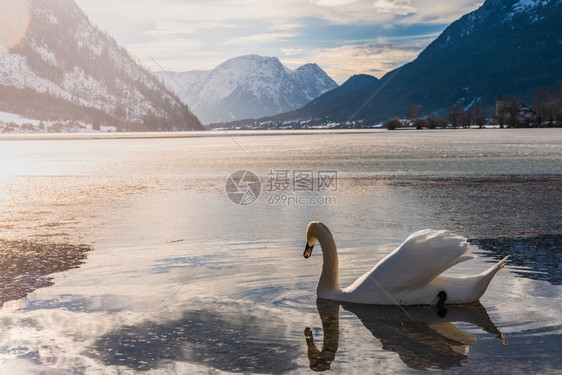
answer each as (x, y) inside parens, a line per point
(25, 266)
(541, 255)
(423, 338)
(233, 341)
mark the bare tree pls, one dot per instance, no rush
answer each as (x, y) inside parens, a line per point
(513, 107)
(392, 124)
(455, 115)
(501, 110)
(420, 123)
(467, 117)
(550, 107)
(480, 110)
(559, 104)
(415, 113)
(539, 105)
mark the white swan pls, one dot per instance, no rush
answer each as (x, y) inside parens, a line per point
(410, 275)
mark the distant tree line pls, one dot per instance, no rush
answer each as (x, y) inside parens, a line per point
(546, 111)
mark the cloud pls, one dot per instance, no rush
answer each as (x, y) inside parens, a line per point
(259, 38)
(293, 51)
(331, 3)
(377, 58)
(342, 33)
(286, 26)
(400, 8)
(197, 14)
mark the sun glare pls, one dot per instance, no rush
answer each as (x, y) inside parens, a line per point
(14, 22)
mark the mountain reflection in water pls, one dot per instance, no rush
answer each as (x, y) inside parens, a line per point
(424, 339)
(538, 257)
(25, 266)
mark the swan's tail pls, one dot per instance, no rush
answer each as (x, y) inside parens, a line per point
(487, 276)
(468, 289)
(495, 268)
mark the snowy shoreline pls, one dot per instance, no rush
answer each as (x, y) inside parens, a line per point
(11, 123)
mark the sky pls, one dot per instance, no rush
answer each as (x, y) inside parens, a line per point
(344, 37)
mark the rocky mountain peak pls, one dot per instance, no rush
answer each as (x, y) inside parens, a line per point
(248, 87)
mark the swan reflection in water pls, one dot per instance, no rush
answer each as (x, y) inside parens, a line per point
(424, 338)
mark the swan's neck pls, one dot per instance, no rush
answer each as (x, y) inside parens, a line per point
(328, 283)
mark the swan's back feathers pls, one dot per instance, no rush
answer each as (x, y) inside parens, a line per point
(422, 257)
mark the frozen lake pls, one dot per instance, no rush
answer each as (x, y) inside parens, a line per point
(137, 254)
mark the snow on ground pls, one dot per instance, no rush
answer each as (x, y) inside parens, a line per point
(13, 123)
(7, 118)
(523, 5)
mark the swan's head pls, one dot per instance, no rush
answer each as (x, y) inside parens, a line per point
(308, 250)
(313, 231)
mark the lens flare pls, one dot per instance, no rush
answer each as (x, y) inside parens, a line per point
(14, 22)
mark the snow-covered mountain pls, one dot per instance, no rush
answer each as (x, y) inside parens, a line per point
(65, 68)
(248, 87)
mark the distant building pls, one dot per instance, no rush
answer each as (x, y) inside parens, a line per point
(526, 114)
(504, 110)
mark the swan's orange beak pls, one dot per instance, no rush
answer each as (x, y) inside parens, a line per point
(308, 251)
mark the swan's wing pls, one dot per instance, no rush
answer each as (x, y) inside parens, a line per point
(422, 257)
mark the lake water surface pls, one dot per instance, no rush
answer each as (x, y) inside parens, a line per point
(137, 254)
